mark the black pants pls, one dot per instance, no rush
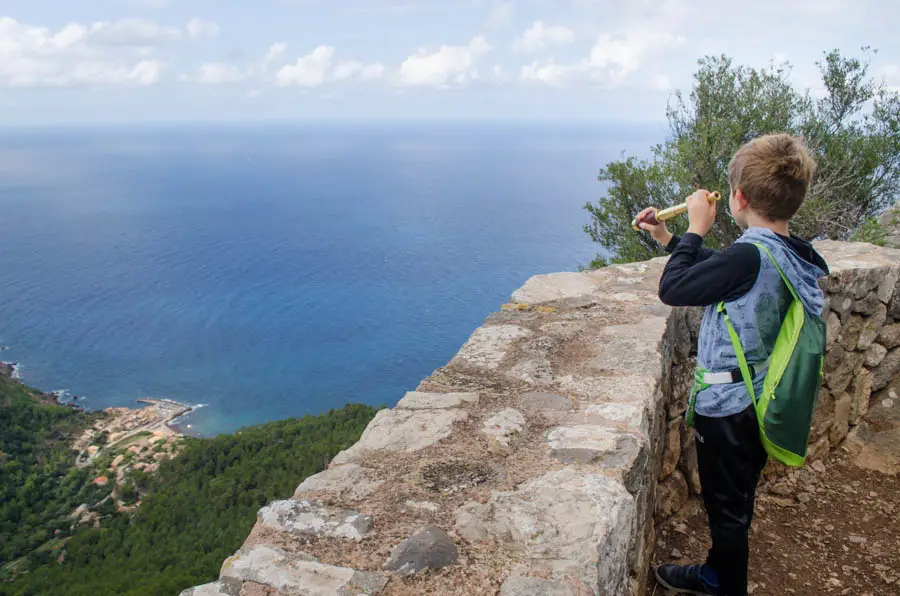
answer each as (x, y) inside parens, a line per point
(730, 457)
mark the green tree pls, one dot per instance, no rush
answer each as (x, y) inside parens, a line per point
(853, 130)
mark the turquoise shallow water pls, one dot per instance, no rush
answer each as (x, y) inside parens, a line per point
(269, 272)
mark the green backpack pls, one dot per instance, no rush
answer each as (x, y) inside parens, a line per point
(791, 387)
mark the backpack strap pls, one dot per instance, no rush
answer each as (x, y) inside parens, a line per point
(780, 272)
(739, 352)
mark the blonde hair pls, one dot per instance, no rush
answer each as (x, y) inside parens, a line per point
(774, 173)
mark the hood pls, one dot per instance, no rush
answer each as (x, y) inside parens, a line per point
(799, 261)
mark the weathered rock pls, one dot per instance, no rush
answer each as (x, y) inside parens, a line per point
(629, 348)
(487, 347)
(506, 427)
(841, 304)
(583, 443)
(544, 521)
(544, 401)
(350, 482)
(871, 326)
(417, 400)
(304, 518)
(671, 448)
(429, 548)
(860, 393)
(630, 414)
(833, 326)
(296, 573)
(519, 585)
(403, 430)
(222, 587)
(886, 289)
(839, 368)
(889, 337)
(849, 335)
(894, 304)
(875, 354)
(841, 425)
(672, 495)
(887, 371)
(867, 305)
(819, 448)
(823, 419)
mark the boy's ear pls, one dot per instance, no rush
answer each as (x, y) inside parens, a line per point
(741, 200)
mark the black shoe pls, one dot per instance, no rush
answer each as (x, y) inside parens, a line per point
(686, 580)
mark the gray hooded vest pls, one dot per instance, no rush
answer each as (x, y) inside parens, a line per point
(757, 317)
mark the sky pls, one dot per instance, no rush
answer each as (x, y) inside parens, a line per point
(97, 61)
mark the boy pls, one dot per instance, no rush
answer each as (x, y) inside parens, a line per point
(769, 178)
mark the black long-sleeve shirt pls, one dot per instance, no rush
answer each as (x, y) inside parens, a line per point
(698, 276)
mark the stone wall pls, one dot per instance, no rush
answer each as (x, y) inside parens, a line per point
(530, 463)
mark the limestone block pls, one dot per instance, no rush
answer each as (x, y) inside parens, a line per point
(630, 414)
(417, 400)
(403, 430)
(833, 326)
(565, 522)
(889, 337)
(860, 393)
(841, 305)
(841, 425)
(295, 573)
(876, 353)
(871, 327)
(672, 495)
(823, 419)
(887, 371)
(350, 482)
(672, 448)
(866, 305)
(850, 331)
(487, 347)
(429, 548)
(505, 427)
(544, 401)
(305, 518)
(888, 286)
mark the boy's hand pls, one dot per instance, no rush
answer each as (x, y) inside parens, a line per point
(658, 232)
(701, 213)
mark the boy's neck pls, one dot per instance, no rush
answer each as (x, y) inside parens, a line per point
(779, 227)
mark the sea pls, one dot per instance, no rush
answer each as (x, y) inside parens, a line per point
(266, 271)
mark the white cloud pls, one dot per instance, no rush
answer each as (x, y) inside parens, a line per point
(449, 65)
(253, 93)
(275, 50)
(198, 29)
(612, 59)
(501, 15)
(540, 36)
(372, 72)
(346, 69)
(132, 32)
(117, 53)
(309, 71)
(148, 3)
(319, 67)
(214, 73)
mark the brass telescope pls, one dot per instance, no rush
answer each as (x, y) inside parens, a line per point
(657, 216)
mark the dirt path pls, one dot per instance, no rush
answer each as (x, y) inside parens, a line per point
(834, 530)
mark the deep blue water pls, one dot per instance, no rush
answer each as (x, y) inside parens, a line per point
(272, 272)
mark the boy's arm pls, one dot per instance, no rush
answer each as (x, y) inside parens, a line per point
(695, 276)
(702, 255)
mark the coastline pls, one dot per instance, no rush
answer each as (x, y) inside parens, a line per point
(159, 415)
